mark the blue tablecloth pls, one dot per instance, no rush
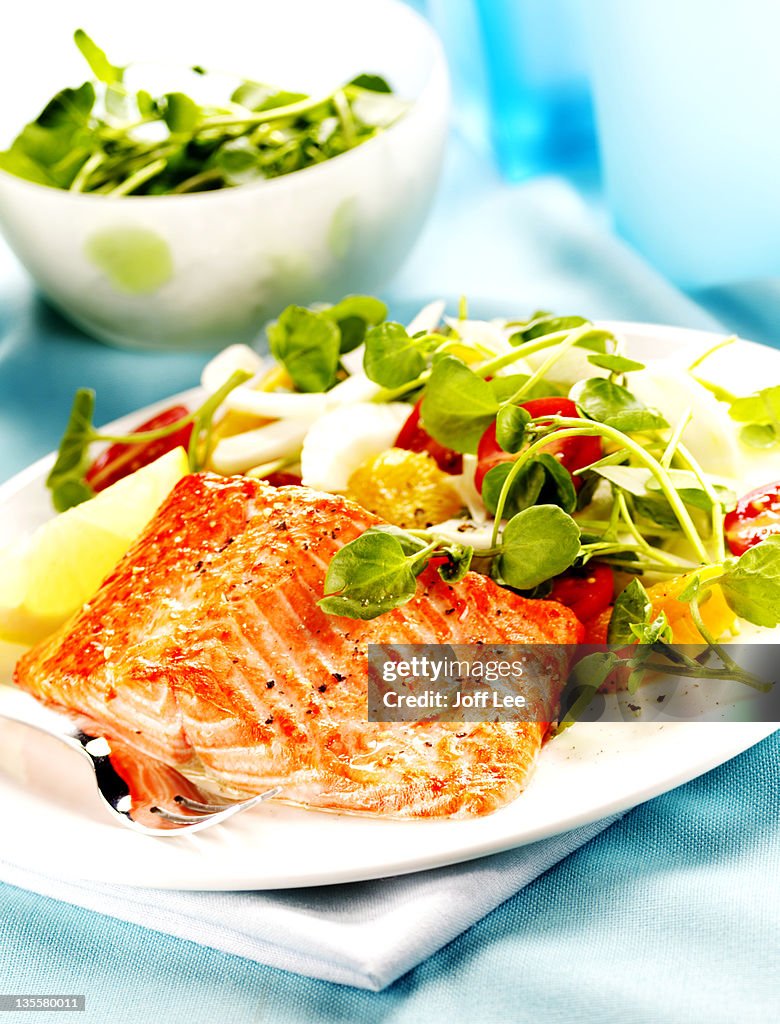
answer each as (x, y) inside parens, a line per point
(670, 915)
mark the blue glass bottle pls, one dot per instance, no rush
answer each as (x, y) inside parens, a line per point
(523, 62)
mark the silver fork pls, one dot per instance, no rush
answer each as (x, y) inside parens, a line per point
(176, 806)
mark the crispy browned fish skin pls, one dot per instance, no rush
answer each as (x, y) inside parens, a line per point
(206, 648)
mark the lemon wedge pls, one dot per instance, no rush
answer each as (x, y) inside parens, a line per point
(50, 574)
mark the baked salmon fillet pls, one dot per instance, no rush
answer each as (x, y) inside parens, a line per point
(206, 649)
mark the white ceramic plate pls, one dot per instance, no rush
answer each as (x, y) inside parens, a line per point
(54, 823)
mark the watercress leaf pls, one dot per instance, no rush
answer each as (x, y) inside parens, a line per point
(524, 491)
(617, 364)
(367, 577)
(510, 427)
(201, 439)
(762, 407)
(458, 406)
(239, 161)
(633, 479)
(182, 114)
(536, 544)
(690, 490)
(258, 96)
(752, 585)
(635, 679)
(698, 498)
(596, 340)
(70, 492)
(410, 544)
(632, 607)
(374, 83)
(101, 66)
(392, 358)
(589, 483)
(606, 402)
(66, 478)
(652, 632)
(759, 435)
(656, 510)
(52, 148)
(19, 163)
(691, 589)
(354, 315)
(458, 562)
(558, 487)
(506, 386)
(307, 344)
(546, 324)
(586, 678)
(147, 104)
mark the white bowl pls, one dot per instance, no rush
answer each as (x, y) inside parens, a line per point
(211, 268)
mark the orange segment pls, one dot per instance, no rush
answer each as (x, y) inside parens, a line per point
(715, 613)
(405, 488)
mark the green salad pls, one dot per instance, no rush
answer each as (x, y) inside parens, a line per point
(109, 138)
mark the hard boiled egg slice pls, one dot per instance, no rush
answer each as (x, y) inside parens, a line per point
(341, 440)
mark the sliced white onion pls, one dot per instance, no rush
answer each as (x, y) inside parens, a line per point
(344, 438)
(488, 334)
(235, 357)
(710, 436)
(353, 361)
(428, 318)
(277, 440)
(357, 388)
(276, 405)
(464, 531)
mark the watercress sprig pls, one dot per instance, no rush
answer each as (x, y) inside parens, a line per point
(378, 570)
(309, 343)
(106, 138)
(67, 477)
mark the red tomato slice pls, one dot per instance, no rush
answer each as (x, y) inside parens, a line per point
(572, 452)
(587, 591)
(283, 480)
(756, 517)
(120, 460)
(415, 438)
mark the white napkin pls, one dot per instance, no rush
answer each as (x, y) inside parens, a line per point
(365, 934)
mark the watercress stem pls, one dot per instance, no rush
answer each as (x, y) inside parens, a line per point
(711, 351)
(541, 372)
(642, 544)
(674, 440)
(90, 165)
(140, 177)
(716, 514)
(728, 662)
(570, 427)
(528, 348)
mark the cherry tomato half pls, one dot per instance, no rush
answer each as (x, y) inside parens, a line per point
(120, 460)
(587, 591)
(572, 452)
(415, 438)
(756, 517)
(283, 480)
